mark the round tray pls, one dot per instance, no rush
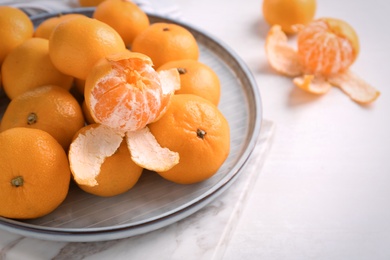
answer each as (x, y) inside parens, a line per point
(154, 202)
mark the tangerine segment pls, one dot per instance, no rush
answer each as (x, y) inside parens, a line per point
(124, 92)
(147, 153)
(312, 84)
(327, 46)
(88, 151)
(355, 87)
(281, 56)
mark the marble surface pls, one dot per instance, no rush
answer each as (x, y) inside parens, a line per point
(203, 235)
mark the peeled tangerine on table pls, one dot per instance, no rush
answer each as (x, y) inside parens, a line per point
(123, 94)
(327, 47)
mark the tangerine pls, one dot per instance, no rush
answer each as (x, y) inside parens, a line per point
(327, 46)
(89, 3)
(164, 42)
(75, 45)
(124, 92)
(196, 78)
(45, 29)
(289, 13)
(195, 128)
(124, 16)
(48, 108)
(35, 173)
(29, 66)
(16, 27)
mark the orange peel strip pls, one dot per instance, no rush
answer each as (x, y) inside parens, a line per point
(281, 56)
(312, 84)
(355, 87)
(170, 82)
(147, 152)
(88, 152)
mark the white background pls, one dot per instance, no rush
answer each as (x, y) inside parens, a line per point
(324, 192)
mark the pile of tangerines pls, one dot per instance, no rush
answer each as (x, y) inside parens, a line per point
(96, 100)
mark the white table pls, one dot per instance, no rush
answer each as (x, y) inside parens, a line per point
(324, 190)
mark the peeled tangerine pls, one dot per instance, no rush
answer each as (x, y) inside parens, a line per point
(123, 94)
(326, 49)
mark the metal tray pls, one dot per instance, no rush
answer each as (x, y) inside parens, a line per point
(154, 202)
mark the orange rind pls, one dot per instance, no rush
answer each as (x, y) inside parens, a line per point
(281, 56)
(147, 153)
(312, 84)
(89, 150)
(355, 87)
(311, 75)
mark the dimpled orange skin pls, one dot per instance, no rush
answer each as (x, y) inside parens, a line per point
(49, 108)
(197, 130)
(288, 13)
(164, 42)
(45, 29)
(16, 27)
(29, 66)
(37, 158)
(124, 16)
(77, 44)
(196, 78)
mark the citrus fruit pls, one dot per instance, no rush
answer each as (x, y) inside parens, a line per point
(198, 131)
(327, 46)
(29, 66)
(124, 16)
(318, 80)
(15, 28)
(75, 45)
(49, 108)
(164, 42)
(289, 13)
(35, 173)
(124, 92)
(88, 3)
(117, 173)
(196, 78)
(44, 29)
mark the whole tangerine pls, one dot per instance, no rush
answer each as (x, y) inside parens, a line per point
(35, 173)
(75, 45)
(289, 13)
(196, 129)
(164, 42)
